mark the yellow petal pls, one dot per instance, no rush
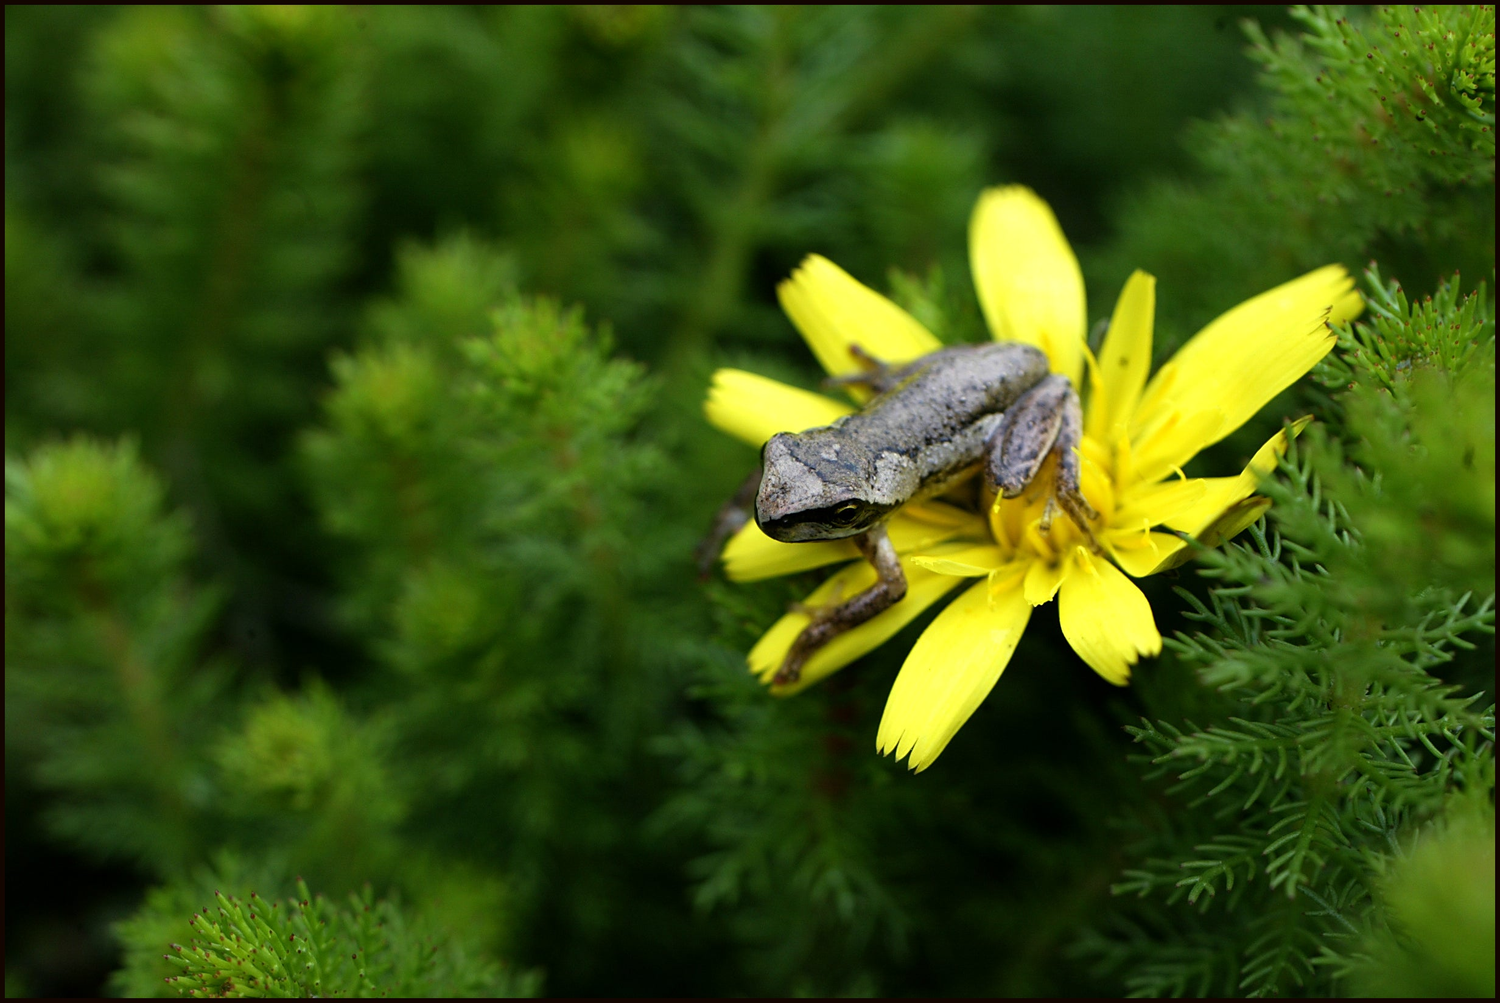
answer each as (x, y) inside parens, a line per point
(1236, 364)
(1173, 440)
(970, 562)
(1028, 280)
(1165, 556)
(1234, 520)
(751, 555)
(923, 589)
(1146, 553)
(939, 513)
(833, 310)
(1093, 478)
(1105, 617)
(1211, 509)
(1222, 494)
(1165, 502)
(1350, 306)
(1195, 504)
(951, 669)
(1008, 577)
(917, 527)
(1123, 464)
(1124, 359)
(1042, 580)
(752, 408)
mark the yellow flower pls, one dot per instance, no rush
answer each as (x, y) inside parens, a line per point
(1137, 436)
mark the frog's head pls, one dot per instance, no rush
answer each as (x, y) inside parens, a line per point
(818, 486)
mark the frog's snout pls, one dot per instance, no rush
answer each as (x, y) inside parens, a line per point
(789, 491)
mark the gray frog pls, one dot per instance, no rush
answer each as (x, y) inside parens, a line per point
(933, 422)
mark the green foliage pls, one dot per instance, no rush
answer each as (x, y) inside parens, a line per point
(1443, 331)
(103, 693)
(492, 554)
(1379, 138)
(303, 774)
(112, 707)
(194, 307)
(306, 946)
(796, 816)
(1421, 412)
(341, 543)
(1343, 721)
(1439, 897)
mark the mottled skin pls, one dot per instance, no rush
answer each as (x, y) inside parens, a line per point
(932, 422)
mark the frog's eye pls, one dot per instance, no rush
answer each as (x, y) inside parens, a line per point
(846, 514)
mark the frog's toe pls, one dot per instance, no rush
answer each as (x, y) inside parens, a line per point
(1081, 503)
(1082, 513)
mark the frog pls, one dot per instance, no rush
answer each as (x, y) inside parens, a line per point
(934, 422)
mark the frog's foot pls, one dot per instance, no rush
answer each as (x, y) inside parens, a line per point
(1079, 510)
(864, 358)
(876, 374)
(834, 618)
(1045, 421)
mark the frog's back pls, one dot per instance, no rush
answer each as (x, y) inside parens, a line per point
(940, 396)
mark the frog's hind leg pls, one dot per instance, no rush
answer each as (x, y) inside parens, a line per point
(835, 618)
(730, 518)
(1046, 421)
(876, 374)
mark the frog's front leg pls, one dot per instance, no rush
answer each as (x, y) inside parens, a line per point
(1046, 420)
(833, 620)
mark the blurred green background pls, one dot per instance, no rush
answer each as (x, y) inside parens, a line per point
(394, 324)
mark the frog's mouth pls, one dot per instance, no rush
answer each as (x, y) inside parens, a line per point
(834, 522)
